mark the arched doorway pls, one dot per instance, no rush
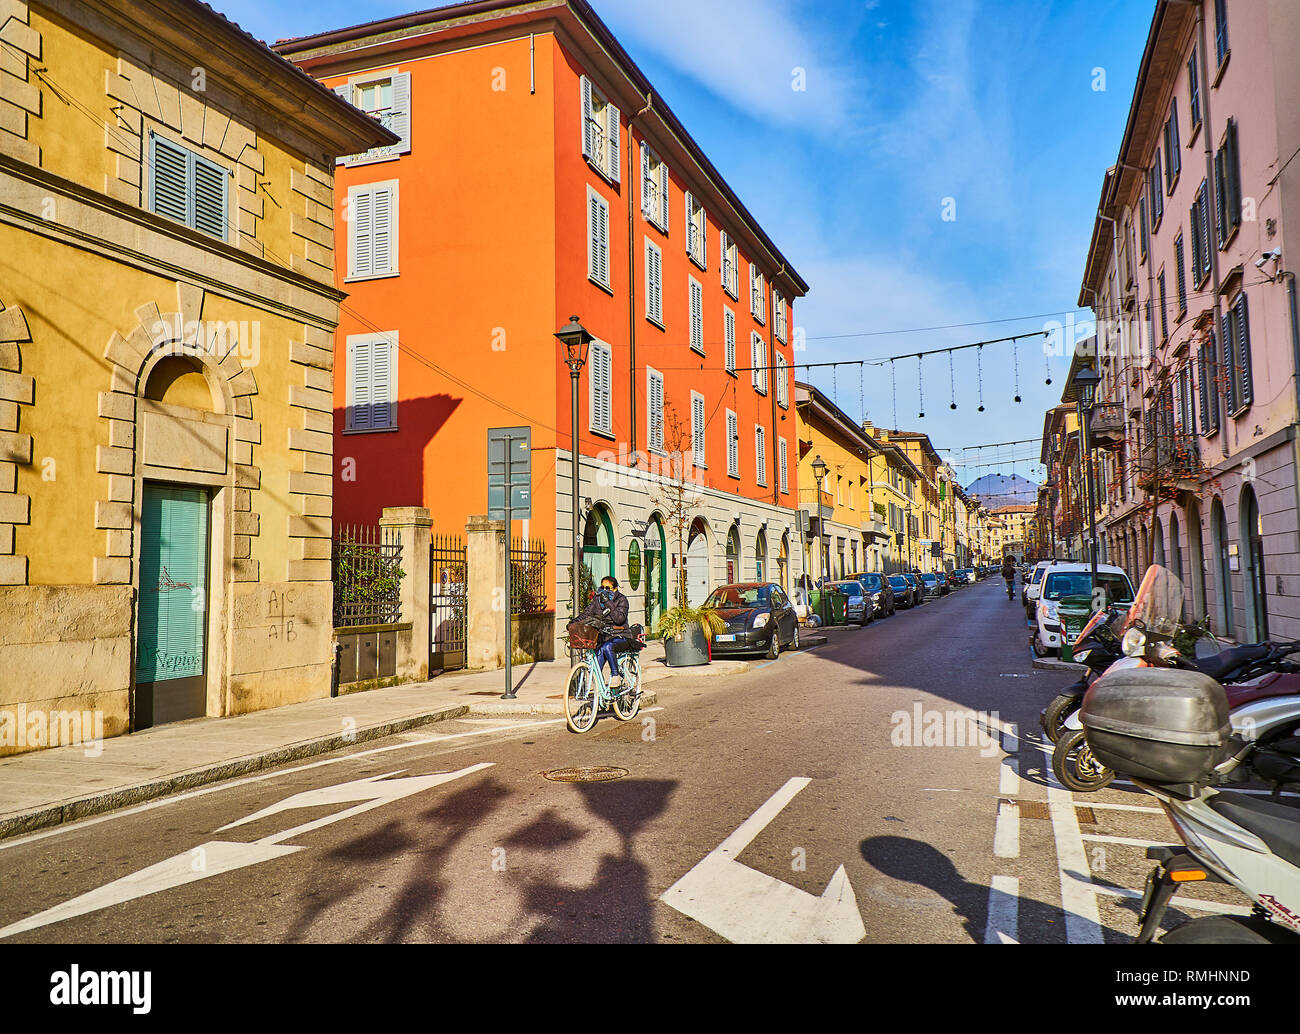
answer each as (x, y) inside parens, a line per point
(1175, 546)
(1157, 543)
(1251, 545)
(783, 564)
(760, 556)
(1223, 571)
(597, 552)
(1196, 560)
(733, 554)
(656, 573)
(698, 579)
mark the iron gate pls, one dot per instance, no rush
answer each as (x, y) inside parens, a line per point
(448, 603)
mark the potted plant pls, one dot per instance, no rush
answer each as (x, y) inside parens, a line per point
(687, 633)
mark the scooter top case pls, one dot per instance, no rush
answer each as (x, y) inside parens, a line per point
(1163, 725)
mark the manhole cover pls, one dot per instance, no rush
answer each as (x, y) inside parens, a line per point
(586, 774)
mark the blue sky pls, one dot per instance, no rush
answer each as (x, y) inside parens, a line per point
(989, 103)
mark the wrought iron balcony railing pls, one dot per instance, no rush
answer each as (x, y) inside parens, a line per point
(1168, 459)
(1106, 425)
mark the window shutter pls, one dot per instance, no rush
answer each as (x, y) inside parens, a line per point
(663, 197)
(170, 177)
(733, 446)
(1227, 361)
(760, 457)
(588, 125)
(1232, 175)
(647, 187)
(697, 430)
(704, 238)
(1206, 256)
(1194, 217)
(729, 336)
(753, 362)
(655, 391)
(1204, 383)
(383, 408)
(722, 260)
(401, 118)
(361, 234)
(614, 131)
(209, 198)
(598, 243)
(384, 210)
(690, 225)
(697, 317)
(358, 385)
(1245, 392)
(654, 283)
(785, 466)
(344, 92)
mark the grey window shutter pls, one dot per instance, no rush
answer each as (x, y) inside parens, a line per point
(1227, 360)
(588, 126)
(382, 239)
(361, 234)
(647, 186)
(1245, 392)
(663, 197)
(704, 238)
(614, 130)
(383, 406)
(401, 119)
(690, 225)
(359, 374)
(345, 92)
(169, 192)
(210, 192)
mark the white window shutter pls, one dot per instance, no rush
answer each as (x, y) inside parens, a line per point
(663, 197)
(783, 456)
(345, 92)
(704, 238)
(690, 204)
(722, 258)
(729, 335)
(401, 124)
(361, 234)
(647, 188)
(382, 221)
(733, 446)
(588, 126)
(383, 405)
(697, 430)
(614, 130)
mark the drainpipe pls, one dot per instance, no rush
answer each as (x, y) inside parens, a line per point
(771, 363)
(631, 277)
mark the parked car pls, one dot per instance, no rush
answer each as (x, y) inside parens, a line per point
(1062, 580)
(859, 609)
(759, 617)
(944, 587)
(917, 587)
(904, 595)
(882, 594)
(933, 590)
(958, 578)
(1030, 586)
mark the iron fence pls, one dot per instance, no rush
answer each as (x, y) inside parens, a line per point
(448, 603)
(527, 576)
(367, 564)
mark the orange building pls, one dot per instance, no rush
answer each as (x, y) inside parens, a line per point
(538, 177)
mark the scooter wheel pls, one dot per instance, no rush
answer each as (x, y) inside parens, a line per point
(1227, 930)
(1055, 714)
(1076, 768)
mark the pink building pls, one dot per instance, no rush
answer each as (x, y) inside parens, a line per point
(1197, 332)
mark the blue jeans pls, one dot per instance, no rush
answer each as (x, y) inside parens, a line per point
(605, 655)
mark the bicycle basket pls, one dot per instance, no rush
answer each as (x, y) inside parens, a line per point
(583, 635)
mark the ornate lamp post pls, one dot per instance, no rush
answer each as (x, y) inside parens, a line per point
(575, 339)
(1085, 391)
(819, 469)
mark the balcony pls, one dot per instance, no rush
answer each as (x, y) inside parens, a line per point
(1169, 463)
(874, 528)
(1106, 425)
(817, 503)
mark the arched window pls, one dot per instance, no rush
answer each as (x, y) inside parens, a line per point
(1196, 560)
(733, 554)
(760, 557)
(1251, 545)
(597, 550)
(1222, 571)
(1157, 543)
(656, 574)
(1175, 546)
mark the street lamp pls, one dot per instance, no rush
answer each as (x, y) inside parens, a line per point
(575, 339)
(820, 469)
(1085, 392)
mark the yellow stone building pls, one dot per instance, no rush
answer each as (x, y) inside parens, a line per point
(167, 308)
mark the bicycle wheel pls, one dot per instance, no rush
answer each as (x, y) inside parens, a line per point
(627, 701)
(580, 705)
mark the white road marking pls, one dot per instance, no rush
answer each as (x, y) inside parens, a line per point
(1078, 897)
(1124, 807)
(218, 856)
(1006, 835)
(1131, 841)
(423, 741)
(749, 907)
(1182, 901)
(1004, 911)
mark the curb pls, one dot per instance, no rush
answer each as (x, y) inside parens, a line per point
(550, 707)
(17, 823)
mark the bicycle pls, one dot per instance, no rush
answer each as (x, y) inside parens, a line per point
(587, 693)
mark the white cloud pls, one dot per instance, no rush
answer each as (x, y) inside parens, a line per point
(751, 53)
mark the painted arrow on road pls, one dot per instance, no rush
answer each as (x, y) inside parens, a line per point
(221, 856)
(749, 907)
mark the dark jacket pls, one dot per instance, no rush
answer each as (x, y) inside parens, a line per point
(613, 613)
(1008, 571)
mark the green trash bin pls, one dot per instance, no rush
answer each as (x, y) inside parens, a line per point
(815, 603)
(1075, 612)
(839, 608)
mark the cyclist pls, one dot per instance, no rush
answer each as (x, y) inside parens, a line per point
(609, 607)
(1009, 573)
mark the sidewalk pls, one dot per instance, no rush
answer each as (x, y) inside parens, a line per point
(48, 787)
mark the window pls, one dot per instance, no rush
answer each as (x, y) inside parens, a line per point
(757, 297)
(654, 394)
(758, 364)
(733, 446)
(1180, 275)
(1200, 235)
(372, 230)
(372, 382)
(730, 267)
(601, 132)
(697, 316)
(697, 231)
(697, 428)
(782, 382)
(1142, 220)
(783, 458)
(1173, 148)
(1157, 195)
(654, 188)
(188, 188)
(1227, 184)
(599, 402)
(760, 455)
(1185, 409)
(386, 99)
(1205, 375)
(654, 290)
(778, 315)
(729, 336)
(598, 239)
(1221, 30)
(1164, 309)
(1194, 87)
(1236, 356)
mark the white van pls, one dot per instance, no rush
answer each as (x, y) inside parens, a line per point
(1029, 589)
(1060, 580)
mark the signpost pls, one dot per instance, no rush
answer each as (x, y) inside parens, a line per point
(510, 473)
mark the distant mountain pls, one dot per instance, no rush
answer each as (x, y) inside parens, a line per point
(994, 490)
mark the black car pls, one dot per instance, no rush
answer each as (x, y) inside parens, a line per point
(903, 594)
(880, 591)
(759, 617)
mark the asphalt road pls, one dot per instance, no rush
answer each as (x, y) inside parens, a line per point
(940, 841)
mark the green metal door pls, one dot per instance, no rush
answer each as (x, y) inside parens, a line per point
(171, 641)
